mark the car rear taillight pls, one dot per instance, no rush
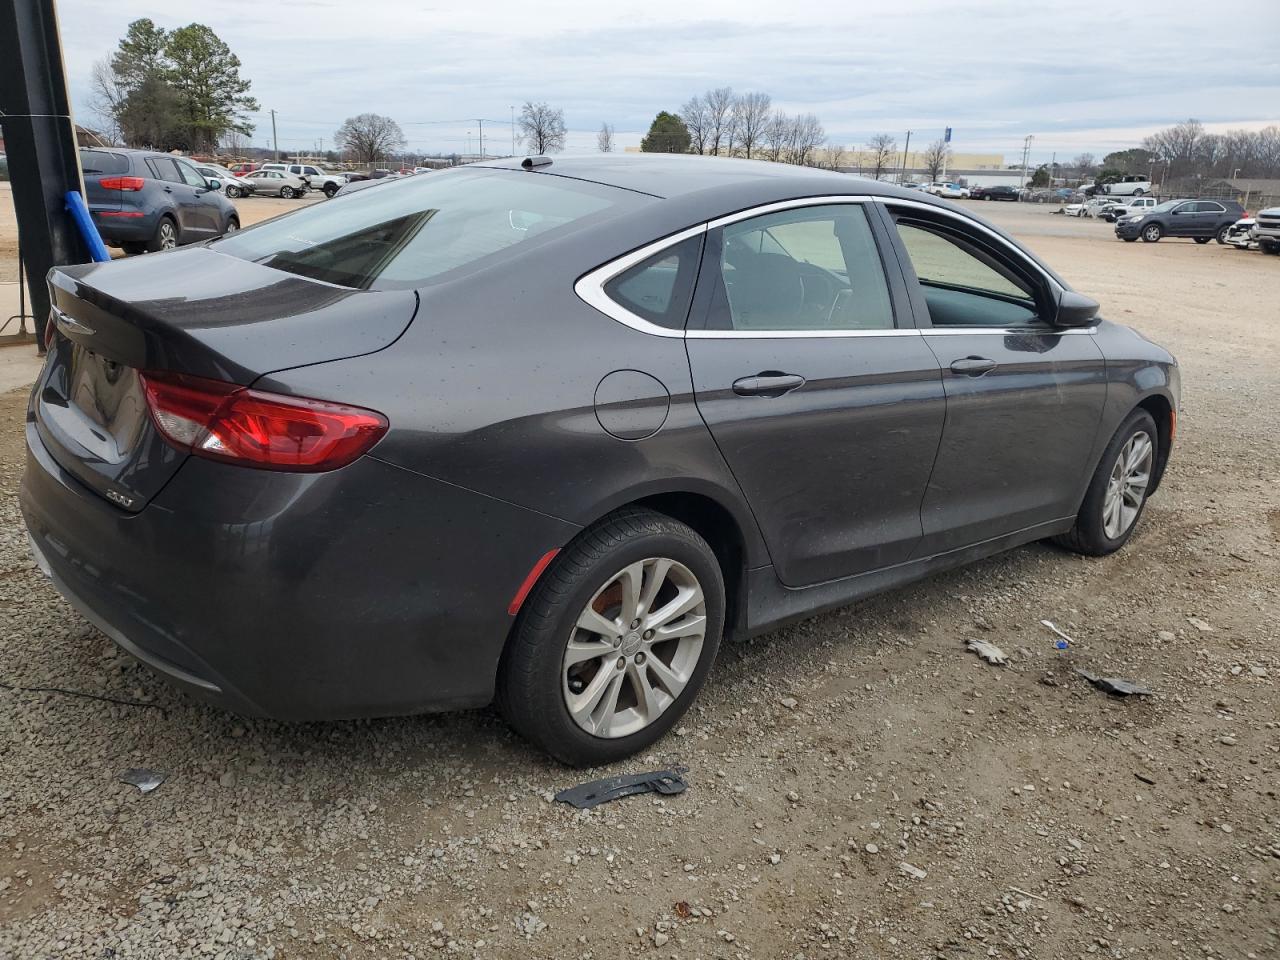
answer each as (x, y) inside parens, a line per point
(121, 183)
(224, 421)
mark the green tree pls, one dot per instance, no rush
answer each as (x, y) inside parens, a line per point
(150, 116)
(667, 134)
(140, 54)
(1135, 160)
(1041, 177)
(214, 98)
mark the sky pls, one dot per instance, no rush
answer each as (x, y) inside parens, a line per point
(1086, 76)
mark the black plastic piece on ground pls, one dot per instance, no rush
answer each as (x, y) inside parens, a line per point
(596, 792)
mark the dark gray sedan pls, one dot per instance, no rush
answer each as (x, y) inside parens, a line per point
(546, 432)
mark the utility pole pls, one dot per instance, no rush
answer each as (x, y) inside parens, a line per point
(513, 131)
(905, 147)
(275, 141)
(1026, 153)
(481, 122)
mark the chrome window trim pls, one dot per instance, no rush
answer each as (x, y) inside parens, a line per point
(590, 286)
(798, 334)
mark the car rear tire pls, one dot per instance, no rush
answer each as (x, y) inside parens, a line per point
(1203, 239)
(1139, 192)
(233, 226)
(1117, 493)
(1268, 246)
(165, 237)
(1223, 234)
(133, 247)
(286, 193)
(1152, 233)
(587, 674)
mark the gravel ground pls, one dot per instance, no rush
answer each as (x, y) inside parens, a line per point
(861, 786)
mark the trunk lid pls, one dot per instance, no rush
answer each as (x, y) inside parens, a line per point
(191, 311)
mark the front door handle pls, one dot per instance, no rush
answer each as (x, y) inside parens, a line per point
(973, 366)
(768, 383)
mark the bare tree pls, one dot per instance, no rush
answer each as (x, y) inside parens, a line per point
(106, 95)
(935, 158)
(752, 113)
(882, 149)
(833, 155)
(234, 143)
(604, 139)
(719, 117)
(804, 137)
(542, 127)
(369, 137)
(697, 118)
(774, 136)
(1179, 146)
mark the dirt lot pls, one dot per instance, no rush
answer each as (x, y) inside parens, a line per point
(1040, 817)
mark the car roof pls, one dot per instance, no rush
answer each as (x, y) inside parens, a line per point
(680, 175)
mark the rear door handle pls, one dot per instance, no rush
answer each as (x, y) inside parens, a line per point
(973, 366)
(768, 383)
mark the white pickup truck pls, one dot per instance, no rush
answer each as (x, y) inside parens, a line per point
(315, 177)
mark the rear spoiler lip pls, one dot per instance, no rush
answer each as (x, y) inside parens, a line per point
(233, 321)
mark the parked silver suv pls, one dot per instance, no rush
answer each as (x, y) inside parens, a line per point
(1266, 231)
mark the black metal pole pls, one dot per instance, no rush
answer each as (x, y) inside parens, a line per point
(40, 141)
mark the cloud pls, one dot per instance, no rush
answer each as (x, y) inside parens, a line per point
(1090, 76)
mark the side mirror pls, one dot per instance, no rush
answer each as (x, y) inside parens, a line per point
(1075, 310)
(213, 184)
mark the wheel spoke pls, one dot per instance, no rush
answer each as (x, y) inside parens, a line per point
(585, 706)
(593, 622)
(647, 702)
(657, 577)
(631, 579)
(583, 650)
(603, 714)
(689, 626)
(1139, 450)
(684, 601)
(670, 680)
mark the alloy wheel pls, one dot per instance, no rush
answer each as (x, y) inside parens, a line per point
(634, 647)
(168, 235)
(1151, 234)
(1127, 487)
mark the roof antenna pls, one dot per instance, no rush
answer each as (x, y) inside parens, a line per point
(530, 162)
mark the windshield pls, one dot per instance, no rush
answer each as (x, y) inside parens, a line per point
(412, 231)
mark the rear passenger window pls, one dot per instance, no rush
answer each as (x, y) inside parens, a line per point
(659, 289)
(164, 169)
(807, 269)
(101, 161)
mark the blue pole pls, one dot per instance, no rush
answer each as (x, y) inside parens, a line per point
(79, 211)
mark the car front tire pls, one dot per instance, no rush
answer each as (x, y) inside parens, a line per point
(615, 640)
(1117, 493)
(329, 190)
(232, 192)
(1152, 233)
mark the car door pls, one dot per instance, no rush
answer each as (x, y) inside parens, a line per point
(1185, 220)
(823, 399)
(180, 194)
(206, 210)
(1024, 398)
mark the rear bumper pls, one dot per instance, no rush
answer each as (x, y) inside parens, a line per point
(116, 229)
(368, 591)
